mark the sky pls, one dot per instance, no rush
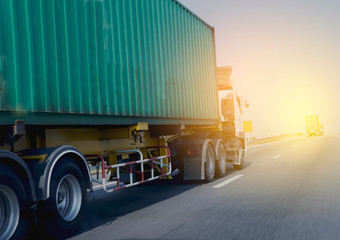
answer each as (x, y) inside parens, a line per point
(285, 57)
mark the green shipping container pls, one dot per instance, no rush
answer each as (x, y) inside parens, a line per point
(105, 62)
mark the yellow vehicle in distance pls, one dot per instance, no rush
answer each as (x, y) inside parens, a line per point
(313, 126)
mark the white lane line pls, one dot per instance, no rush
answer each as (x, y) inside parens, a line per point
(260, 145)
(227, 181)
(278, 155)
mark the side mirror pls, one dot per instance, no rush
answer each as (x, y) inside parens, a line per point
(227, 108)
(246, 103)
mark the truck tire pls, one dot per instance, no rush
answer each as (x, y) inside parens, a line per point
(221, 154)
(13, 199)
(63, 212)
(210, 163)
(239, 154)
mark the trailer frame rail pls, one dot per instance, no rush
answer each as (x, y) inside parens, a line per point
(128, 166)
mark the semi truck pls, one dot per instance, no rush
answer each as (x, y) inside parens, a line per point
(114, 93)
(313, 126)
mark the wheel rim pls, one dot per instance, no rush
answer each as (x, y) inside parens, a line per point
(223, 158)
(68, 197)
(9, 212)
(211, 162)
(239, 152)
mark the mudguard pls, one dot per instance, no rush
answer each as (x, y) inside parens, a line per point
(194, 164)
(42, 162)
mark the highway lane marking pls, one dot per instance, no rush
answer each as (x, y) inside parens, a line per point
(227, 181)
(260, 145)
(278, 155)
(251, 146)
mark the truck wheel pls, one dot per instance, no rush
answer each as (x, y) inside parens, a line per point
(210, 164)
(13, 198)
(221, 154)
(63, 212)
(239, 156)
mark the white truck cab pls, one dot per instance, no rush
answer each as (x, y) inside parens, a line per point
(232, 107)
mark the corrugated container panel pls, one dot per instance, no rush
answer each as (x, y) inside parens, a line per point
(142, 58)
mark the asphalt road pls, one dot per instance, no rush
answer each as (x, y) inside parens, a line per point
(289, 189)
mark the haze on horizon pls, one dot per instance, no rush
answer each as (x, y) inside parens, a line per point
(285, 57)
